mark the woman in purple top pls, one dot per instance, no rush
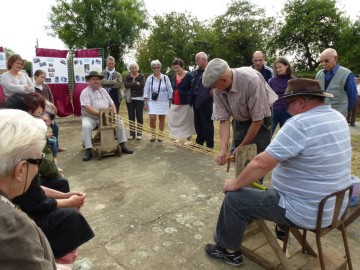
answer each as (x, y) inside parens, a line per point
(279, 84)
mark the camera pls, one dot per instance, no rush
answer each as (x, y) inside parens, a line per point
(154, 96)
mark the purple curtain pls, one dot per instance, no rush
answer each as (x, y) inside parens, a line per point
(79, 87)
(60, 91)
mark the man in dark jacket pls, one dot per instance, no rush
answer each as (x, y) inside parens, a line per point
(202, 102)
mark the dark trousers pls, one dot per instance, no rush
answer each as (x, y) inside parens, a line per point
(115, 98)
(244, 205)
(279, 117)
(59, 184)
(204, 126)
(135, 109)
(55, 131)
(262, 139)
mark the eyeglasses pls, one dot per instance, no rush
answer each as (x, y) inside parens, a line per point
(325, 60)
(39, 115)
(156, 68)
(36, 161)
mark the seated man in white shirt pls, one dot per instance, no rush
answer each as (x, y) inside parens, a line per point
(92, 99)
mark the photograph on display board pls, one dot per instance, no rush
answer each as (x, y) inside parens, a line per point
(83, 66)
(56, 69)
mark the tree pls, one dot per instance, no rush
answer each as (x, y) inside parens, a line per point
(310, 27)
(348, 46)
(173, 35)
(113, 25)
(242, 30)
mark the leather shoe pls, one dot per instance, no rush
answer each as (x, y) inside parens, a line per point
(87, 155)
(126, 150)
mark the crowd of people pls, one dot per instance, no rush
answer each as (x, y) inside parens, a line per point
(249, 102)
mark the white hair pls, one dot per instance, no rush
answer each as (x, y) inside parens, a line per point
(22, 136)
(202, 55)
(110, 58)
(132, 63)
(155, 62)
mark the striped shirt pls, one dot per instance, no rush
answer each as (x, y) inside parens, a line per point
(314, 151)
(248, 98)
(152, 85)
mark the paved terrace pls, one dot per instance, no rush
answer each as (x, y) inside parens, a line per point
(157, 208)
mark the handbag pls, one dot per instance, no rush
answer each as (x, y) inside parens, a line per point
(127, 94)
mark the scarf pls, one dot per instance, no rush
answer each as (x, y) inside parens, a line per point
(110, 73)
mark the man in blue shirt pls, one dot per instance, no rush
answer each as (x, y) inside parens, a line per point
(338, 81)
(258, 60)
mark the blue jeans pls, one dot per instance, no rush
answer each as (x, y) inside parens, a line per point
(279, 117)
(244, 205)
(55, 131)
(53, 145)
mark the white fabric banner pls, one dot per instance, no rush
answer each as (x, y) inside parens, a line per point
(2, 60)
(56, 69)
(83, 66)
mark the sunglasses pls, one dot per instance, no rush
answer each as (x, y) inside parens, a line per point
(39, 115)
(36, 161)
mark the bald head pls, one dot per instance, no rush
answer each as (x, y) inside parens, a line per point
(258, 60)
(328, 59)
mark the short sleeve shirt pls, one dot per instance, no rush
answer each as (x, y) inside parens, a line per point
(98, 99)
(246, 100)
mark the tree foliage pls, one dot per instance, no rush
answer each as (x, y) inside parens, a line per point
(310, 26)
(173, 35)
(113, 25)
(348, 46)
(239, 32)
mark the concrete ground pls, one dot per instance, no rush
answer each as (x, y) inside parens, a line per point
(154, 209)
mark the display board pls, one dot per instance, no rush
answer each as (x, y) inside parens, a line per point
(83, 66)
(56, 69)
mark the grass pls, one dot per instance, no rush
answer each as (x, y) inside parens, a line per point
(355, 140)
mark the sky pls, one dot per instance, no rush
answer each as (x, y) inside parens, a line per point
(23, 25)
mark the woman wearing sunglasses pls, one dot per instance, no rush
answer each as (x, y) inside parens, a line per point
(20, 159)
(157, 98)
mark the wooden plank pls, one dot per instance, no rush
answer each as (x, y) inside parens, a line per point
(334, 260)
(244, 155)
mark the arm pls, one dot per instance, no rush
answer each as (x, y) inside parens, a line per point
(70, 199)
(91, 110)
(252, 132)
(10, 87)
(114, 83)
(351, 90)
(256, 169)
(224, 130)
(29, 83)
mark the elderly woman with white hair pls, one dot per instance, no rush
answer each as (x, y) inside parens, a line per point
(23, 244)
(134, 92)
(158, 94)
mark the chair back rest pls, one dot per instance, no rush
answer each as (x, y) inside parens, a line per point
(339, 198)
(107, 118)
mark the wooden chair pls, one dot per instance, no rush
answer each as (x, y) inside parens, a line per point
(337, 223)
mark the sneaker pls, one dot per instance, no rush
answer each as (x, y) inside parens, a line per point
(218, 253)
(131, 137)
(61, 149)
(138, 137)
